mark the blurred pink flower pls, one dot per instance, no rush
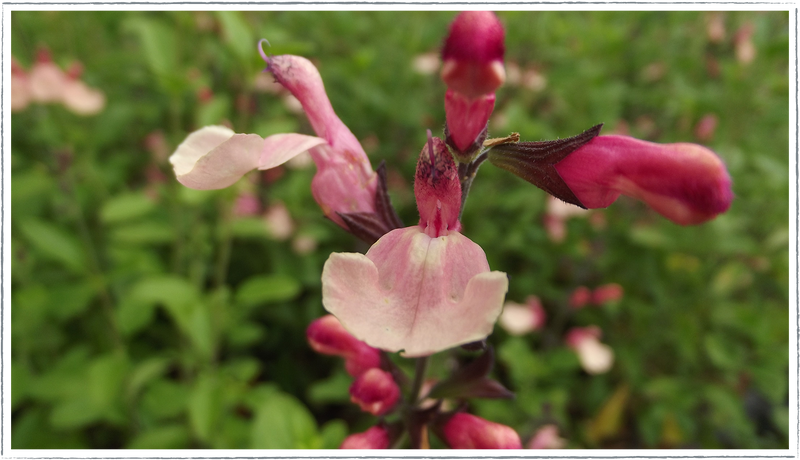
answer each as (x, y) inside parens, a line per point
(376, 437)
(595, 357)
(246, 204)
(519, 319)
(580, 297)
(375, 391)
(704, 130)
(466, 431)
(424, 288)
(547, 438)
(743, 44)
(278, 221)
(47, 79)
(611, 292)
(20, 87)
(556, 216)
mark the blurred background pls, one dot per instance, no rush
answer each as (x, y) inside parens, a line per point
(148, 315)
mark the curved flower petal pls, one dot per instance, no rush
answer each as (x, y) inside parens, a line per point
(47, 82)
(215, 157)
(343, 183)
(280, 148)
(415, 293)
(686, 183)
(81, 99)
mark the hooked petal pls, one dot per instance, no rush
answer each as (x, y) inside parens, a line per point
(280, 148)
(686, 183)
(415, 293)
(302, 79)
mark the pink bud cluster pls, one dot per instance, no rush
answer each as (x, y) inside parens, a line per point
(46, 83)
(374, 389)
(607, 293)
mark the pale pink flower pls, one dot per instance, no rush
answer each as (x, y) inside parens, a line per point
(327, 336)
(519, 319)
(420, 289)
(304, 244)
(547, 438)
(47, 80)
(20, 87)
(743, 43)
(686, 183)
(704, 130)
(376, 437)
(466, 431)
(278, 221)
(375, 391)
(556, 216)
(426, 63)
(81, 99)
(594, 356)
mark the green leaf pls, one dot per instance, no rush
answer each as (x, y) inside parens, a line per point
(164, 399)
(68, 301)
(162, 437)
(54, 243)
(205, 407)
(237, 35)
(145, 372)
(262, 289)
(334, 389)
(126, 207)
(143, 233)
(282, 422)
(333, 433)
(214, 111)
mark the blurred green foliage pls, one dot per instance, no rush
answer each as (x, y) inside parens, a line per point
(147, 315)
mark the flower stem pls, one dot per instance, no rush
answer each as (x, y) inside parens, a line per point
(466, 173)
(419, 378)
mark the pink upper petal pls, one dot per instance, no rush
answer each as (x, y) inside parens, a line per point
(280, 148)
(415, 293)
(437, 189)
(686, 183)
(343, 183)
(301, 78)
(47, 82)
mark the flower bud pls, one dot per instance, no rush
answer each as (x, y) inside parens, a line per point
(607, 293)
(472, 69)
(466, 431)
(376, 437)
(437, 190)
(595, 357)
(326, 335)
(375, 391)
(580, 297)
(686, 183)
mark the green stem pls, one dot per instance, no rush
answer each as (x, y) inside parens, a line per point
(466, 173)
(226, 241)
(419, 379)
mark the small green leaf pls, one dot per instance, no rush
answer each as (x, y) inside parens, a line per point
(145, 372)
(54, 243)
(282, 422)
(143, 233)
(334, 389)
(205, 407)
(162, 437)
(125, 207)
(262, 289)
(333, 433)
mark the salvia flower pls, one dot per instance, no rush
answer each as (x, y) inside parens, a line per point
(519, 319)
(215, 157)
(472, 68)
(421, 289)
(327, 336)
(595, 357)
(547, 437)
(376, 437)
(467, 431)
(375, 391)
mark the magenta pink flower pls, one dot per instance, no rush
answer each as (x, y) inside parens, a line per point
(375, 391)
(472, 69)
(686, 183)
(580, 297)
(376, 437)
(611, 292)
(466, 431)
(327, 336)
(420, 289)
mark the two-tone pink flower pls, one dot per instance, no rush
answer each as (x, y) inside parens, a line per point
(215, 157)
